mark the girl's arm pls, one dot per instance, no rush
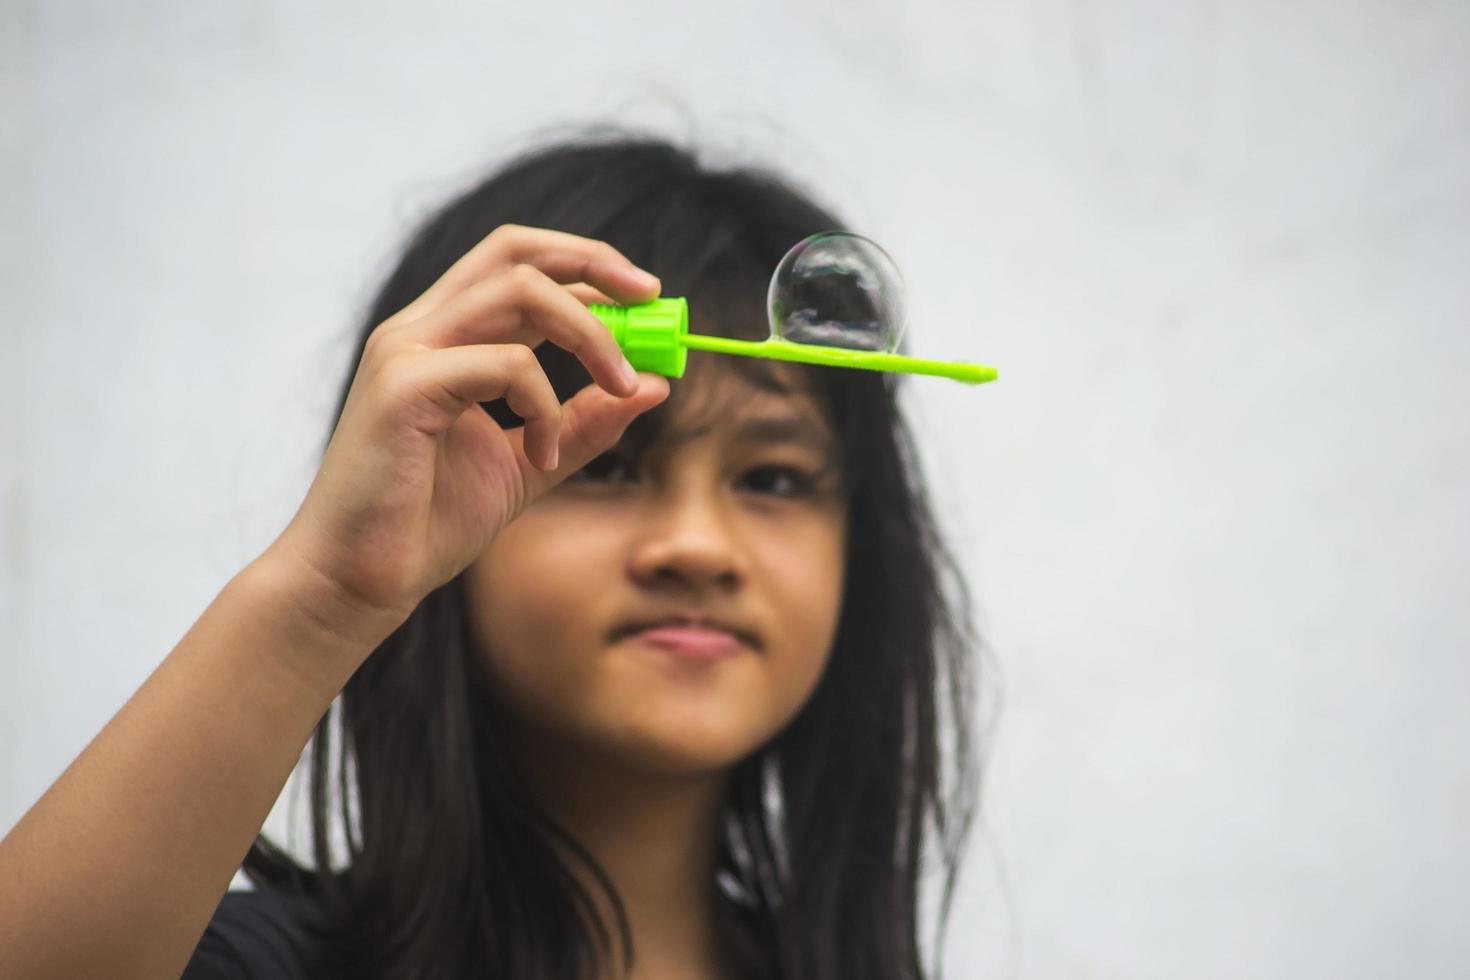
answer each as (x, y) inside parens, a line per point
(118, 868)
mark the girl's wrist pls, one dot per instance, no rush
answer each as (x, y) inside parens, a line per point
(318, 631)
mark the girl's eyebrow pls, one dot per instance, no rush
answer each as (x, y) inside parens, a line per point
(796, 429)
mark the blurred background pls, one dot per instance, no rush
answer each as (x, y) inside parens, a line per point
(1216, 512)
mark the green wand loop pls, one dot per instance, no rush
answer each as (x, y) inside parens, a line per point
(655, 337)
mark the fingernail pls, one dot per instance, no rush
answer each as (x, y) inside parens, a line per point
(629, 375)
(555, 456)
(648, 279)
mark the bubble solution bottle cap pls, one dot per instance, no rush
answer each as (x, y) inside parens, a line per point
(650, 334)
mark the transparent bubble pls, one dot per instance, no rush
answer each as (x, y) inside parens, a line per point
(837, 289)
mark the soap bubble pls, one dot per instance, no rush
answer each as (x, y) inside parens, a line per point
(837, 289)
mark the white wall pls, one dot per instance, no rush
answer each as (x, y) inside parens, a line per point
(1215, 510)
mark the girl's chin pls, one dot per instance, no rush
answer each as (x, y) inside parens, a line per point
(642, 720)
(683, 753)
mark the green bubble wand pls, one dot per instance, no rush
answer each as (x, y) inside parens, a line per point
(816, 288)
(655, 337)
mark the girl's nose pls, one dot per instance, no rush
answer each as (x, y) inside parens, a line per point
(687, 540)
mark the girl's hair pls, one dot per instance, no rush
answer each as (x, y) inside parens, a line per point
(452, 871)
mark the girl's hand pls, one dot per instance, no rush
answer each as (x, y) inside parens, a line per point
(418, 480)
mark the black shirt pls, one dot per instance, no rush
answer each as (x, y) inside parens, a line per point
(254, 936)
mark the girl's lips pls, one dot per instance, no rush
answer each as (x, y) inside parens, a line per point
(689, 641)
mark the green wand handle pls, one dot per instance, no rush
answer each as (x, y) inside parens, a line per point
(785, 350)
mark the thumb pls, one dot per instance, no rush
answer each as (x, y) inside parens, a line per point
(592, 421)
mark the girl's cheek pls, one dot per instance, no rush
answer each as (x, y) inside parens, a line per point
(806, 579)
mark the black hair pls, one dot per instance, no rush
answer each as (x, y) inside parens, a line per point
(451, 870)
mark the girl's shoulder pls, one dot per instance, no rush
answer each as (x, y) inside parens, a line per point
(256, 935)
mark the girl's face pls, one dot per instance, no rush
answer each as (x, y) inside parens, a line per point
(737, 515)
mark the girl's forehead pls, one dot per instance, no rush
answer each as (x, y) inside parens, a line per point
(723, 404)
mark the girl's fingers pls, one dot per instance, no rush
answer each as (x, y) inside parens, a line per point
(450, 380)
(592, 421)
(589, 294)
(563, 257)
(523, 306)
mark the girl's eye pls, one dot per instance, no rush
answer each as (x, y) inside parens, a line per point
(781, 481)
(607, 468)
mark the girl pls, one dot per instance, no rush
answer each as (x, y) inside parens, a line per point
(651, 685)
